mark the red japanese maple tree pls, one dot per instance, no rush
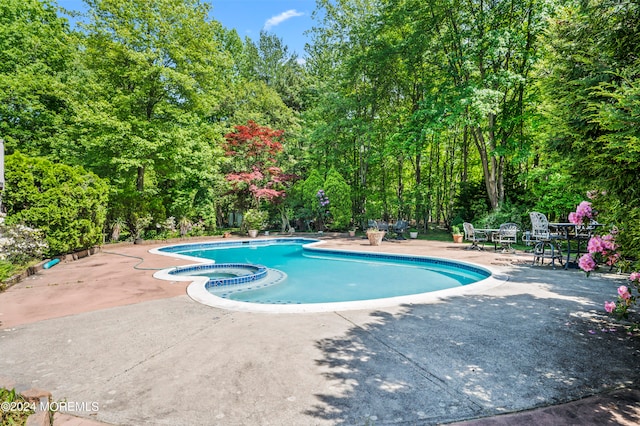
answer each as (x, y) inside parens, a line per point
(254, 151)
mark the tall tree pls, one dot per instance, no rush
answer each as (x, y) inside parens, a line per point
(36, 50)
(269, 61)
(148, 92)
(254, 173)
(352, 85)
(490, 48)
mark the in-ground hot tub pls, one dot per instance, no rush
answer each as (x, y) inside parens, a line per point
(223, 274)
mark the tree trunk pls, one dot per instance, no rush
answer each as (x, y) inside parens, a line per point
(491, 166)
(140, 179)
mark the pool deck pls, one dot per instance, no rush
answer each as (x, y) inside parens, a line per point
(536, 349)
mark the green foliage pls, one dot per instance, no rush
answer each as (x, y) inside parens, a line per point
(339, 195)
(35, 54)
(270, 62)
(506, 213)
(66, 203)
(146, 90)
(312, 184)
(336, 189)
(626, 219)
(7, 269)
(554, 191)
(471, 203)
(591, 106)
(255, 219)
(14, 417)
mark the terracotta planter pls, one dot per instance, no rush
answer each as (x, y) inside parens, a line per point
(375, 237)
(458, 238)
(352, 233)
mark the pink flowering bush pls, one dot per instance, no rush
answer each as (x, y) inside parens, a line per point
(587, 263)
(583, 215)
(625, 297)
(600, 249)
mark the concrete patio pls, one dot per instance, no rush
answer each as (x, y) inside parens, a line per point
(98, 330)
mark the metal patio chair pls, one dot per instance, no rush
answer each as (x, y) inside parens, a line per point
(506, 235)
(544, 239)
(475, 236)
(400, 227)
(382, 225)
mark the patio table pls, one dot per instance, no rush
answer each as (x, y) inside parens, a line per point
(490, 233)
(572, 232)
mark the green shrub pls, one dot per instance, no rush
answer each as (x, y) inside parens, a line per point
(339, 194)
(68, 204)
(7, 269)
(255, 219)
(310, 188)
(506, 213)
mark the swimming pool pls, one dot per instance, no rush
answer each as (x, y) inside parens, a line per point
(317, 279)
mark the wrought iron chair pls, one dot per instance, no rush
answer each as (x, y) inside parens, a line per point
(506, 235)
(382, 225)
(400, 227)
(475, 236)
(544, 239)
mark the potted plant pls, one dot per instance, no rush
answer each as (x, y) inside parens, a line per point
(352, 231)
(254, 220)
(413, 233)
(458, 236)
(375, 236)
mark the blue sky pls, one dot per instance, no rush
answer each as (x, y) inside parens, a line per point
(288, 19)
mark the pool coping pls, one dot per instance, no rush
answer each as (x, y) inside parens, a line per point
(197, 289)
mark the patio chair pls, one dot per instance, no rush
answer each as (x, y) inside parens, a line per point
(544, 239)
(539, 227)
(506, 235)
(382, 225)
(400, 227)
(475, 236)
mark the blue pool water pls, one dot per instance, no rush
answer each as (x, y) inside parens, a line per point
(319, 276)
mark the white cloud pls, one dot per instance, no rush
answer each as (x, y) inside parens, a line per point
(278, 19)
